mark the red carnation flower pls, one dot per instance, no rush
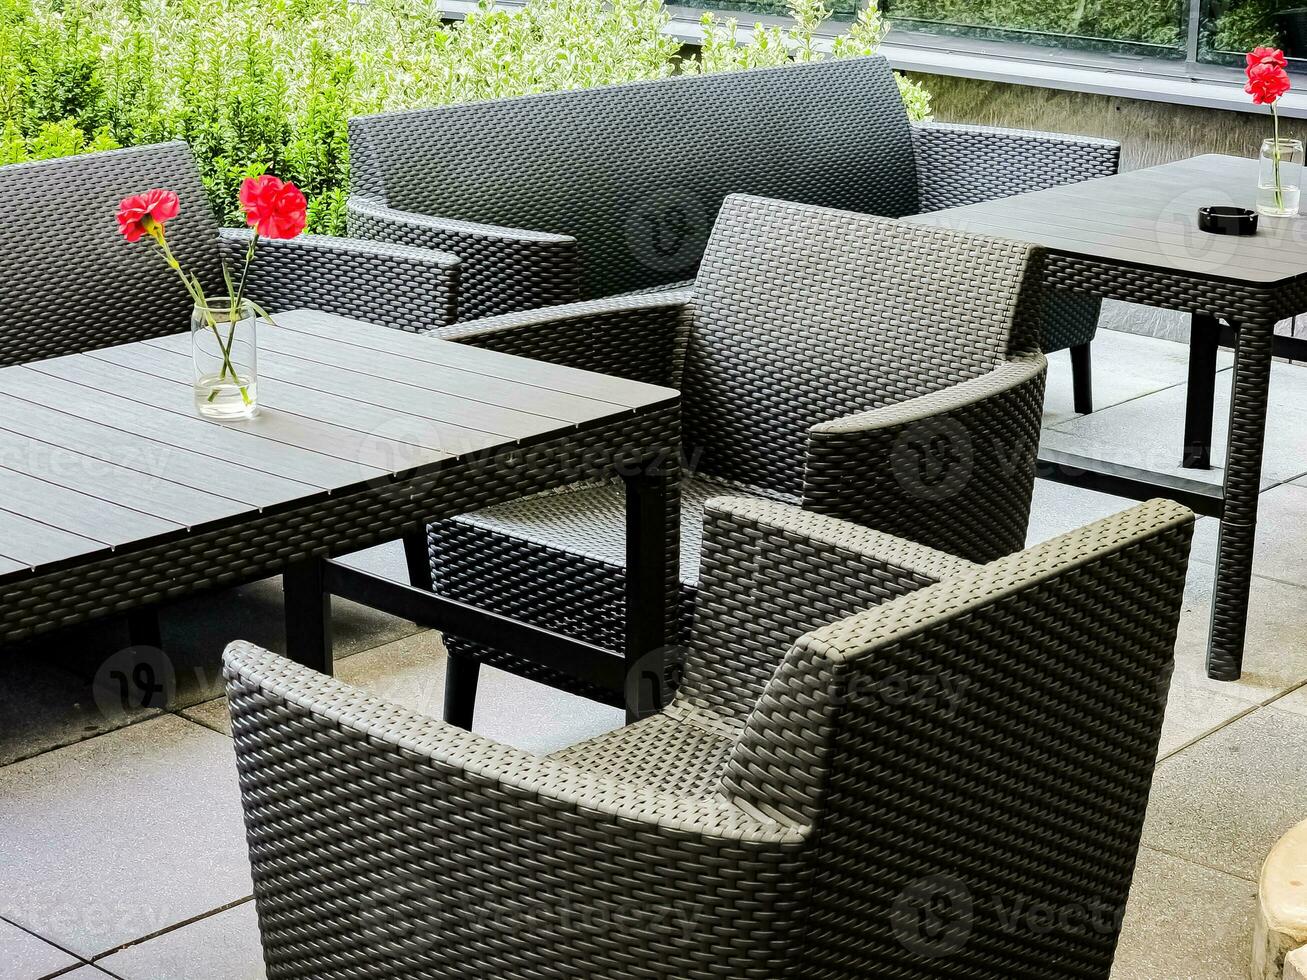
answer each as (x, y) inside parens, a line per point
(1267, 56)
(273, 208)
(136, 214)
(1267, 81)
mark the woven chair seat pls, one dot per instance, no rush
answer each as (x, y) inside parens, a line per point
(681, 751)
(589, 521)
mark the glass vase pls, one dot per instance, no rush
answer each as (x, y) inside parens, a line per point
(225, 349)
(1279, 177)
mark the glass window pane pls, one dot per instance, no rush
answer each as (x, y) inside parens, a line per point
(1149, 26)
(1231, 27)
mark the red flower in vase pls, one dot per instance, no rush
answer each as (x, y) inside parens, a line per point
(1267, 79)
(136, 214)
(273, 208)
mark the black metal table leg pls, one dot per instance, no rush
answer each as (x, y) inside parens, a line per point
(653, 505)
(417, 558)
(1082, 379)
(1204, 340)
(143, 628)
(308, 614)
(1243, 474)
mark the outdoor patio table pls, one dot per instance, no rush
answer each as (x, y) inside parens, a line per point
(115, 494)
(1134, 237)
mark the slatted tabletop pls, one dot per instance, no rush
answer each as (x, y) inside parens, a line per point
(1148, 218)
(103, 452)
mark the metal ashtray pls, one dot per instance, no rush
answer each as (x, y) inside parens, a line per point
(1220, 219)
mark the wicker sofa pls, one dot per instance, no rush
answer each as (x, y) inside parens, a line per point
(69, 283)
(872, 369)
(570, 196)
(884, 762)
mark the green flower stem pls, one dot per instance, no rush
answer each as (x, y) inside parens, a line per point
(196, 292)
(1275, 159)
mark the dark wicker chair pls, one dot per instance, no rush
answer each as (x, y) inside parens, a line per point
(867, 368)
(70, 283)
(570, 196)
(884, 762)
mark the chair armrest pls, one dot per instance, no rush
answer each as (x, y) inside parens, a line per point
(504, 269)
(376, 830)
(770, 572)
(959, 165)
(396, 285)
(633, 337)
(953, 469)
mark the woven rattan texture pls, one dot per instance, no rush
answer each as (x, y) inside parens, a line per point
(867, 824)
(384, 844)
(814, 364)
(1026, 787)
(69, 282)
(393, 286)
(334, 525)
(802, 315)
(635, 173)
(501, 270)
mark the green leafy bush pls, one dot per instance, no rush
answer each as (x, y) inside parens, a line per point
(267, 85)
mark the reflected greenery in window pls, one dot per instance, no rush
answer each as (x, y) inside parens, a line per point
(1159, 22)
(1236, 26)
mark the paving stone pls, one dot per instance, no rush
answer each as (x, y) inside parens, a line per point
(1184, 920)
(121, 836)
(1148, 431)
(27, 957)
(223, 946)
(87, 972)
(1275, 654)
(1126, 366)
(1282, 534)
(1224, 801)
(411, 672)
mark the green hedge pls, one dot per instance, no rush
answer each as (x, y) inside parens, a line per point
(267, 85)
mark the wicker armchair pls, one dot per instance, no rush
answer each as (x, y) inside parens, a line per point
(867, 368)
(884, 762)
(69, 283)
(570, 196)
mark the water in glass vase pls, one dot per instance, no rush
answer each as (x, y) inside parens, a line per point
(1279, 178)
(224, 348)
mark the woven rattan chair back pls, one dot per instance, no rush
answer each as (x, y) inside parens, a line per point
(804, 315)
(69, 282)
(623, 170)
(979, 751)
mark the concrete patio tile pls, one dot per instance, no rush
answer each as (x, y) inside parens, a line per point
(1281, 523)
(1126, 366)
(1275, 654)
(1147, 431)
(1184, 921)
(87, 972)
(196, 631)
(121, 836)
(411, 672)
(44, 706)
(1226, 799)
(223, 946)
(1195, 710)
(1294, 702)
(27, 957)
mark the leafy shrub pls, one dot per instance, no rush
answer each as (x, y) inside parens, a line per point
(267, 85)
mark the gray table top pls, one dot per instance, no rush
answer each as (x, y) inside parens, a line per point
(1148, 218)
(104, 449)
